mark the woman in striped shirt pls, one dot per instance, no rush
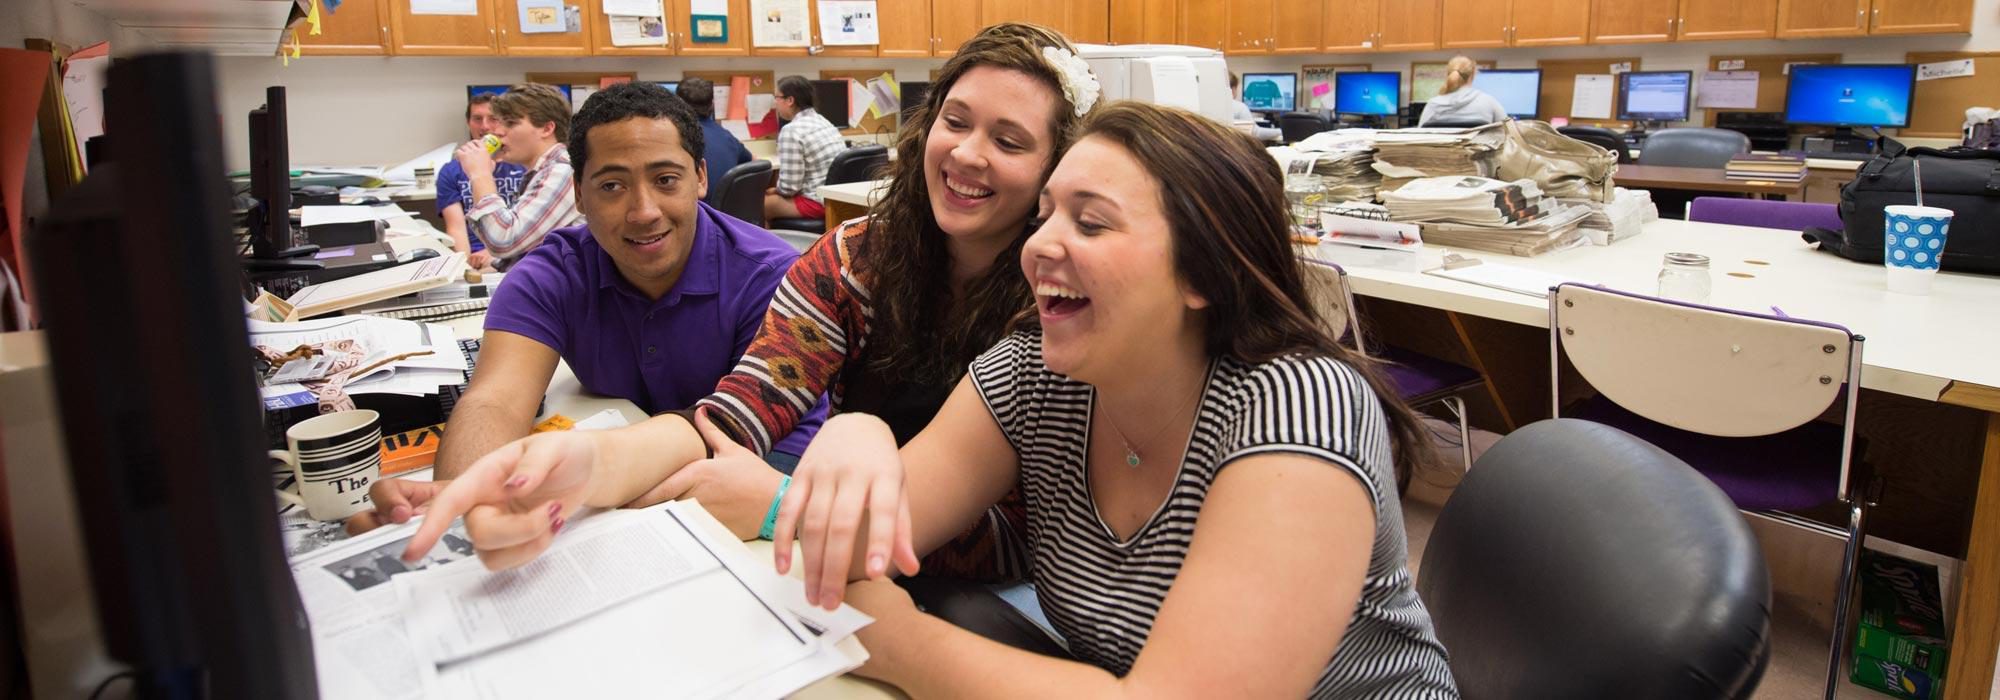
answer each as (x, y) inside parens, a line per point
(1209, 478)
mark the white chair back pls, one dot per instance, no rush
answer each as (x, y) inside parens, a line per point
(1326, 287)
(1703, 369)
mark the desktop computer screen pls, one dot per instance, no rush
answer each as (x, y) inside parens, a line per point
(830, 101)
(1858, 95)
(1518, 90)
(1371, 94)
(1660, 96)
(672, 86)
(1271, 92)
(912, 97)
(472, 91)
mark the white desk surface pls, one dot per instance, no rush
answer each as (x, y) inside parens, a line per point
(1916, 344)
(862, 193)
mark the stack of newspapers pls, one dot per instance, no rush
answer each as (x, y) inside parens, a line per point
(1342, 159)
(1485, 214)
(1409, 154)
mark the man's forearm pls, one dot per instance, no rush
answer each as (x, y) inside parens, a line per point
(475, 429)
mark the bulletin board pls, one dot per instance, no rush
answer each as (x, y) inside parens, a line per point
(1937, 107)
(869, 124)
(1559, 86)
(761, 83)
(1771, 77)
(1310, 76)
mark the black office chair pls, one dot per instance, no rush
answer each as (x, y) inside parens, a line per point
(1599, 136)
(852, 165)
(1297, 126)
(742, 194)
(1578, 561)
(1693, 147)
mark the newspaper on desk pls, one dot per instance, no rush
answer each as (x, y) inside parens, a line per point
(657, 602)
(381, 338)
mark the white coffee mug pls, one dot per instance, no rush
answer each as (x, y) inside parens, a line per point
(334, 459)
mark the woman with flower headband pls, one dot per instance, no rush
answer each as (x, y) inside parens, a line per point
(883, 314)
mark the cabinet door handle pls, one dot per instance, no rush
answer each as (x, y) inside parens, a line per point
(1876, 23)
(385, 36)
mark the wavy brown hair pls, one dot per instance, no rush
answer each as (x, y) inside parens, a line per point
(921, 331)
(1224, 200)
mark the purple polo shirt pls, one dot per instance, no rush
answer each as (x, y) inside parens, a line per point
(662, 355)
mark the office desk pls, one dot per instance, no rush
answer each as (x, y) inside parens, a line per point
(1667, 177)
(848, 200)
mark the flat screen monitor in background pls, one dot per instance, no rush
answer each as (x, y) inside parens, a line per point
(913, 94)
(672, 86)
(1366, 93)
(830, 101)
(273, 246)
(472, 91)
(1519, 90)
(1658, 96)
(1850, 95)
(1271, 92)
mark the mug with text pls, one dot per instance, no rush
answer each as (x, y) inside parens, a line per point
(334, 459)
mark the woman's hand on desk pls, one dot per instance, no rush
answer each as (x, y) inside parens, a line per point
(736, 486)
(514, 499)
(396, 501)
(852, 470)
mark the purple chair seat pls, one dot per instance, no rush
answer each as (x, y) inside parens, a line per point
(1764, 213)
(1420, 378)
(1798, 468)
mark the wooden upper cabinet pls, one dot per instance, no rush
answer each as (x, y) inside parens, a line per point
(1799, 19)
(507, 20)
(1145, 21)
(1702, 20)
(1204, 23)
(952, 23)
(1249, 23)
(1473, 24)
(441, 35)
(1550, 23)
(680, 31)
(1090, 21)
(905, 27)
(1632, 21)
(1298, 25)
(1350, 25)
(1921, 17)
(359, 29)
(1408, 25)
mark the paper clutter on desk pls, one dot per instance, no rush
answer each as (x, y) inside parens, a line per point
(1357, 242)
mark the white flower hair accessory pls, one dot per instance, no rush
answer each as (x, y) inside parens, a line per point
(1079, 84)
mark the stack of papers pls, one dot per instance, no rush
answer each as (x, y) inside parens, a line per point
(1409, 154)
(1766, 166)
(658, 602)
(1623, 217)
(1345, 172)
(1486, 214)
(431, 358)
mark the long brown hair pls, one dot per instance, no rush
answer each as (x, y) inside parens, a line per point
(921, 331)
(1224, 200)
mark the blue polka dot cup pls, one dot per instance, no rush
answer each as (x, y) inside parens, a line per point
(1913, 240)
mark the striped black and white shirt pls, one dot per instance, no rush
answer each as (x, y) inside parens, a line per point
(1102, 594)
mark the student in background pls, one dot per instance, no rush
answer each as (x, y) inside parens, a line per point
(534, 123)
(806, 147)
(454, 189)
(1211, 479)
(654, 300)
(723, 151)
(1460, 101)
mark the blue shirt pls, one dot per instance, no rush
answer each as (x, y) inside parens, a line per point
(453, 187)
(662, 355)
(722, 151)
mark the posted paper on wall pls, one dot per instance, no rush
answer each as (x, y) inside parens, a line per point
(1728, 90)
(541, 16)
(848, 23)
(635, 8)
(444, 7)
(1945, 69)
(1592, 99)
(777, 23)
(630, 30)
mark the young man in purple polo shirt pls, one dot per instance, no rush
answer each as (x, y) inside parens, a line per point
(653, 300)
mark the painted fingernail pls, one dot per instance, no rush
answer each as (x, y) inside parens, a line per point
(557, 527)
(874, 566)
(517, 482)
(555, 511)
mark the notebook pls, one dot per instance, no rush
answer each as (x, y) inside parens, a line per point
(1519, 280)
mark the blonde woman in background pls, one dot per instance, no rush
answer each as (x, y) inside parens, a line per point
(1460, 101)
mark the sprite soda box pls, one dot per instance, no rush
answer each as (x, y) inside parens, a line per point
(1899, 646)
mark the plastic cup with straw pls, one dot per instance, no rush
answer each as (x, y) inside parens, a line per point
(1913, 240)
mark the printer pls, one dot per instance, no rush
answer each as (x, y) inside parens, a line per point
(1188, 77)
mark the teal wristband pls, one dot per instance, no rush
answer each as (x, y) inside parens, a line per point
(771, 518)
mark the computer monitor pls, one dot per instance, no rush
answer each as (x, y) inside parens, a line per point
(1271, 92)
(165, 453)
(913, 94)
(272, 241)
(830, 101)
(1367, 93)
(1519, 90)
(472, 91)
(1655, 96)
(672, 86)
(1850, 95)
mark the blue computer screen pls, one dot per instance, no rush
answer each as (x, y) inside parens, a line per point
(1518, 90)
(472, 91)
(1850, 95)
(1658, 96)
(670, 85)
(1367, 93)
(1271, 92)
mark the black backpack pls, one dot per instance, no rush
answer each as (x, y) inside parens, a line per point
(1964, 180)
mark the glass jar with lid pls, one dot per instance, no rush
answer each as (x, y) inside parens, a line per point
(1684, 277)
